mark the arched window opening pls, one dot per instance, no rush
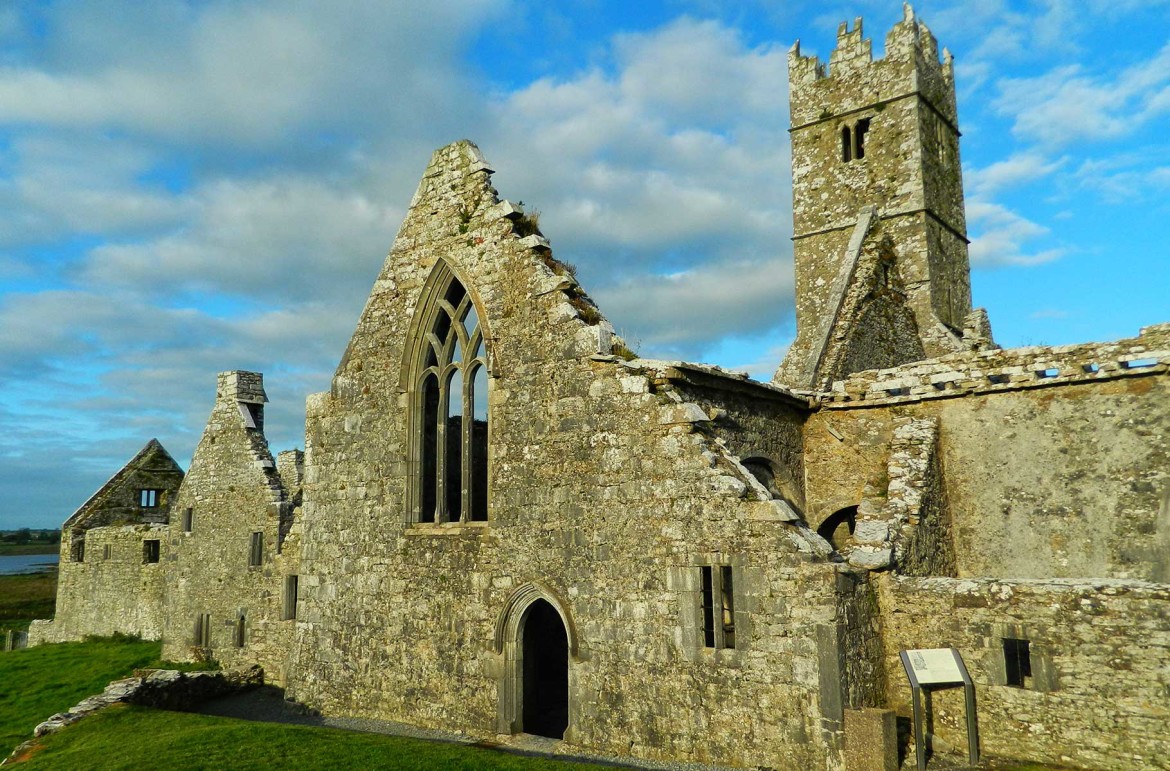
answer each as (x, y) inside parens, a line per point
(846, 144)
(450, 386)
(761, 469)
(838, 528)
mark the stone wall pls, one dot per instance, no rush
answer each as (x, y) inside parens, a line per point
(232, 491)
(1098, 696)
(116, 588)
(607, 496)
(1058, 474)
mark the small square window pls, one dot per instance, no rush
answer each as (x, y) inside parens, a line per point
(256, 555)
(148, 499)
(150, 551)
(1017, 661)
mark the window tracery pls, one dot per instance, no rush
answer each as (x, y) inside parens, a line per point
(450, 409)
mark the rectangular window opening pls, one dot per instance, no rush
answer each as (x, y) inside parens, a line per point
(256, 555)
(290, 598)
(150, 551)
(727, 595)
(77, 550)
(1046, 373)
(1017, 660)
(203, 630)
(997, 379)
(188, 519)
(718, 605)
(148, 499)
(241, 631)
(106, 552)
(1138, 363)
(1091, 367)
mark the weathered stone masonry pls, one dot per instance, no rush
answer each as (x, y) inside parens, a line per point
(504, 521)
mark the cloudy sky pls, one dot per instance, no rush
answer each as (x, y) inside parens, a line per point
(190, 186)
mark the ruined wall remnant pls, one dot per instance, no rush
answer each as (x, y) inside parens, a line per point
(230, 555)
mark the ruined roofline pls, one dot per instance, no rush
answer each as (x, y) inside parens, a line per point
(1009, 369)
(115, 481)
(711, 375)
(909, 39)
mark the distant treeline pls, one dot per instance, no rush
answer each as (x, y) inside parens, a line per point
(27, 535)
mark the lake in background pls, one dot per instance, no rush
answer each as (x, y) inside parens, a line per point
(26, 563)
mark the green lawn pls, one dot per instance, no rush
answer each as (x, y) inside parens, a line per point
(26, 596)
(134, 737)
(15, 549)
(36, 682)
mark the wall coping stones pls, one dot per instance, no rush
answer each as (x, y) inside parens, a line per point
(1010, 369)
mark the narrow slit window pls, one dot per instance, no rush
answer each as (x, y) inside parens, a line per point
(106, 552)
(846, 144)
(1017, 661)
(256, 554)
(718, 606)
(290, 598)
(150, 551)
(241, 631)
(188, 519)
(203, 630)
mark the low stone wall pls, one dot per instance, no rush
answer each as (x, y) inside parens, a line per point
(1097, 693)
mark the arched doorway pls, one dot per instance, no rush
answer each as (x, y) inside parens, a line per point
(545, 687)
(838, 527)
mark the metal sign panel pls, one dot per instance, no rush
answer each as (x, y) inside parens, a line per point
(935, 666)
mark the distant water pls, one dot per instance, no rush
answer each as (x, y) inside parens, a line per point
(27, 563)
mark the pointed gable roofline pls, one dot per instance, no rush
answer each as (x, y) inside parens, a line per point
(152, 451)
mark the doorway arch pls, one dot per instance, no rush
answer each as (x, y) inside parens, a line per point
(538, 641)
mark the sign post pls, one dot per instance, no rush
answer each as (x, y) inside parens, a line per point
(934, 669)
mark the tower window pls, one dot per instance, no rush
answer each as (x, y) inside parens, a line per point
(450, 410)
(1017, 661)
(846, 144)
(718, 606)
(859, 132)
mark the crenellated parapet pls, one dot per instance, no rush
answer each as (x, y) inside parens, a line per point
(853, 79)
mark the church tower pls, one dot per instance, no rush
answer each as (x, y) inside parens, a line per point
(880, 238)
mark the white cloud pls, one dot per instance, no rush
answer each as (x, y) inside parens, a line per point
(1069, 104)
(1001, 236)
(1014, 171)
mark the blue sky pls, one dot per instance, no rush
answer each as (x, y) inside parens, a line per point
(191, 187)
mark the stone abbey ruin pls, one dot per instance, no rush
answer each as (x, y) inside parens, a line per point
(504, 522)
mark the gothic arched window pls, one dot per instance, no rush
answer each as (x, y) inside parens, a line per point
(449, 414)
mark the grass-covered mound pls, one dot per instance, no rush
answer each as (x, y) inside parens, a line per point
(125, 737)
(37, 682)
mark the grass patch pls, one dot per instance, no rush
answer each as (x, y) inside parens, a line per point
(125, 737)
(37, 682)
(26, 596)
(19, 549)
